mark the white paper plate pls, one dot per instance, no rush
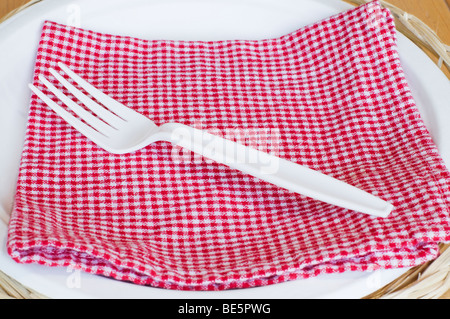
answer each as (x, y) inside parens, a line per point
(180, 20)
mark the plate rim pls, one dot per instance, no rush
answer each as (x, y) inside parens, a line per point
(43, 4)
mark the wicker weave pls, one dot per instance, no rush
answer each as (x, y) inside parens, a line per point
(12, 289)
(430, 280)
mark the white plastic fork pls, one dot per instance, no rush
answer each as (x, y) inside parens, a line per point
(119, 130)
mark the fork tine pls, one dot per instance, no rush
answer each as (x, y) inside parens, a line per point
(86, 130)
(99, 110)
(113, 105)
(90, 119)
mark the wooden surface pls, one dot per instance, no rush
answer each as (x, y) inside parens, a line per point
(7, 6)
(435, 13)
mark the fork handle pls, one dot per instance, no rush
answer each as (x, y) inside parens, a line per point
(277, 171)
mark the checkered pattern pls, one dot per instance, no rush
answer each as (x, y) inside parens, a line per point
(334, 90)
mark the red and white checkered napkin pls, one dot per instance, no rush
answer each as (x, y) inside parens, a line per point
(335, 93)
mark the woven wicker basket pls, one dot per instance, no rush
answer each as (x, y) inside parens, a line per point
(427, 281)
